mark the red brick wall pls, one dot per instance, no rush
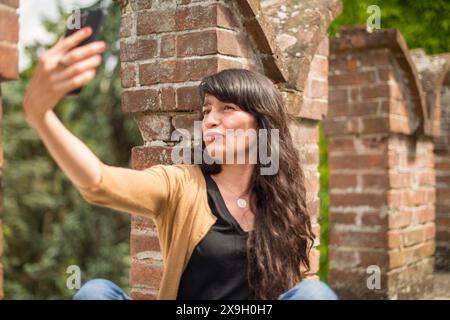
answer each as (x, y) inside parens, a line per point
(382, 176)
(442, 153)
(9, 34)
(162, 62)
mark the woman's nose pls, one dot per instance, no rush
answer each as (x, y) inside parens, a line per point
(211, 120)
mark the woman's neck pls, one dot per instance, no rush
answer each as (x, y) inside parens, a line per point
(237, 176)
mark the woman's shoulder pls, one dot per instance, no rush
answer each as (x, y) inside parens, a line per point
(179, 172)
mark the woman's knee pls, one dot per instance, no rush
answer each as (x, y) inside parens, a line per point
(100, 289)
(309, 289)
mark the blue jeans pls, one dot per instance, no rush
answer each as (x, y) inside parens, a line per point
(101, 289)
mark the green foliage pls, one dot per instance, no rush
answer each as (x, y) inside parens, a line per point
(423, 24)
(324, 204)
(47, 224)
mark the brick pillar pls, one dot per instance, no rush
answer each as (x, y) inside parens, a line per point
(382, 173)
(9, 34)
(306, 132)
(442, 154)
(302, 38)
(168, 46)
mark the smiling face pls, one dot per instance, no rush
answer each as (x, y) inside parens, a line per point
(226, 127)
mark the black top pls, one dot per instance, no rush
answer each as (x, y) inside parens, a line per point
(217, 268)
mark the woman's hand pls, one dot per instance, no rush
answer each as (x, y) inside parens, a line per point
(60, 70)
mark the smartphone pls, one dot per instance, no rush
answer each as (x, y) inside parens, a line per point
(84, 18)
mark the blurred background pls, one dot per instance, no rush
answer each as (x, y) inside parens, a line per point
(47, 225)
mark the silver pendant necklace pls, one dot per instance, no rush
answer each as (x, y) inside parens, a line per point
(240, 202)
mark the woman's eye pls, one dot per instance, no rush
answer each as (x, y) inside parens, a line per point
(205, 111)
(229, 108)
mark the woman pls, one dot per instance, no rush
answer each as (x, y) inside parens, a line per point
(226, 231)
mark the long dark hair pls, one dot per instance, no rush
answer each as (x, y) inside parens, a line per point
(282, 236)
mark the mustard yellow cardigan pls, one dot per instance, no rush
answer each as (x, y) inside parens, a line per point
(174, 196)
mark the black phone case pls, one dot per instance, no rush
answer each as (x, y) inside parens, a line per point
(93, 19)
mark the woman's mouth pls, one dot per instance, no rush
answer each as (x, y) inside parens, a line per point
(211, 136)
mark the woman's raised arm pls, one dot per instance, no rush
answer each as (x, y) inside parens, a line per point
(60, 70)
(77, 161)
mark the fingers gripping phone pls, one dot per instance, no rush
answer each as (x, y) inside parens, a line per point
(85, 18)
